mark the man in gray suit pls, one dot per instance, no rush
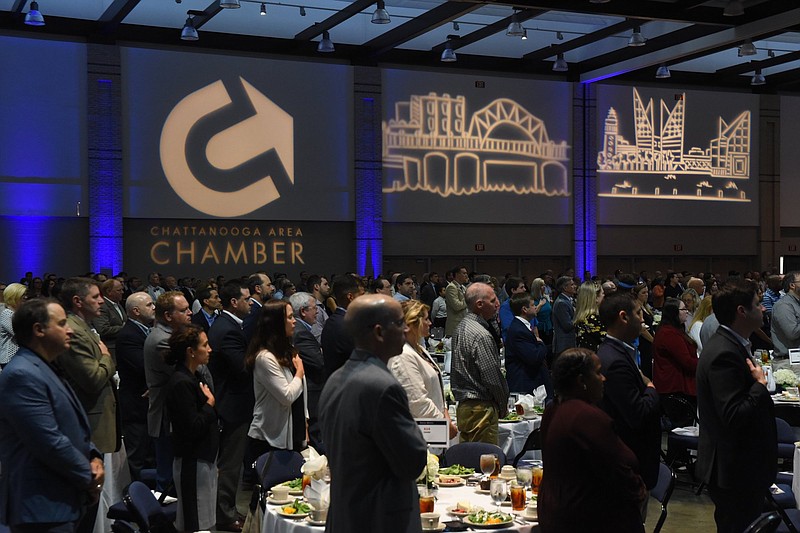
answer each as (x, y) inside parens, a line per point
(375, 449)
(563, 313)
(112, 315)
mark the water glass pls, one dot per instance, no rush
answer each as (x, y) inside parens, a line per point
(498, 490)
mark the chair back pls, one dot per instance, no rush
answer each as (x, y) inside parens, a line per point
(785, 432)
(766, 523)
(469, 454)
(278, 466)
(533, 442)
(663, 492)
(145, 509)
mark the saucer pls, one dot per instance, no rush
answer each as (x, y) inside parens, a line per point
(440, 527)
(315, 522)
(273, 501)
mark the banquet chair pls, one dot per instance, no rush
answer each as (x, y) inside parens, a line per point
(469, 454)
(119, 512)
(145, 510)
(788, 412)
(278, 466)
(662, 492)
(533, 442)
(786, 440)
(766, 523)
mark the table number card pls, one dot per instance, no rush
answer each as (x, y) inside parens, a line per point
(435, 431)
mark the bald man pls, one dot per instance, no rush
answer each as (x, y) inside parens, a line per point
(477, 381)
(375, 450)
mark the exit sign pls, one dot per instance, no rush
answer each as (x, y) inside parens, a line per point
(480, 247)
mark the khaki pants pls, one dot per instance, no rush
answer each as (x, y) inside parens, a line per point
(477, 421)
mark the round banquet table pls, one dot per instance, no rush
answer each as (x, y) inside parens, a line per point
(447, 497)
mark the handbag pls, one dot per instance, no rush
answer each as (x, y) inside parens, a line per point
(258, 502)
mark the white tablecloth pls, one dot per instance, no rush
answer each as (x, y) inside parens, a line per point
(512, 437)
(274, 523)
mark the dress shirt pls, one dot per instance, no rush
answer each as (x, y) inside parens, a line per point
(234, 317)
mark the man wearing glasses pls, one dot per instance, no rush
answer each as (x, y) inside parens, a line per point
(786, 317)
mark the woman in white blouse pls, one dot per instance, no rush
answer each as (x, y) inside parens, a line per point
(416, 370)
(280, 413)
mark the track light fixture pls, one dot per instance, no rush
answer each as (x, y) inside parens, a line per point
(735, 8)
(381, 16)
(302, 11)
(229, 4)
(560, 64)
(559, 36)
(663, 72)
(448, 54)
(637, 39)
(747, 48)
(263, 9)
(326, 45)
(758, 78)
(524, 34)
(456, 27)
(189, 33)
(515, 28)
(34, 17)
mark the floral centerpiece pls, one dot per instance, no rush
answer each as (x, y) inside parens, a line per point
(315, 470)
(785, 378)
(428, 474)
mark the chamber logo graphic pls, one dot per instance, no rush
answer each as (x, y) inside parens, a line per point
(432, 146)
(658, 165)
(224, 168)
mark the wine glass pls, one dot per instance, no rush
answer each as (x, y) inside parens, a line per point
(498, 491)
(487, 463)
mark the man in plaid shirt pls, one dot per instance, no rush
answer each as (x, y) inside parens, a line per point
(477, 381)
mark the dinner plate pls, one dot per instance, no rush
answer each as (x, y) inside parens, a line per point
(464, 476)
(440, 527)
(458, 483)
(499, 525)
(506, 421)
(315, 522)
(293, 516)
(455, 511)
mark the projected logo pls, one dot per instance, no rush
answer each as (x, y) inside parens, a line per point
(225, 156)
(432, 146)
(658, 165)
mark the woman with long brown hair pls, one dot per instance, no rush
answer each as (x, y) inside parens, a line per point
(675, 363)
(279, 415)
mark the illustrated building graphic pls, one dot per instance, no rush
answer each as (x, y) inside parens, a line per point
(659, 166)
(431, 145)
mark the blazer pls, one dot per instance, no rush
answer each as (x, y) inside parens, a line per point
(525, 360)
(132, 381)
(195, 432)
(738, 419)
(90, 375)
(199, 319)
(109, 324)
(157, 374)
(456, 307)
(563, 328)
(674, 362)
(313, 363)
(336, 343)
(421, 378)
(45, 445)
(233, 383)
(251, 320)
(635, 408)
(374, 449)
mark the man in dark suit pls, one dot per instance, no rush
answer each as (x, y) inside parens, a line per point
(261, 289)
(210, 307)
(305, 310)
(233, 389)
(337, 345)
(133, 400)
(737, 455)
(629, 397)
(375, 449)
(526, 368)
(563, 313)
(112, 315)
(51, 470)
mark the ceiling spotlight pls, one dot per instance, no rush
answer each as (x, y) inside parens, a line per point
(381, 16)
(771, 53)
(559, 36)
(34, 16)
(456, 26)
(560, 64)
(326, 45)
(515, 28)
(758, 78)
(524, 34)
(448, 54)
(599, 1)
(229, 4)
(189, 33)
(733, 9)
(637, 39)
(663, 72)
(747, 48)
(263, 9)
(302, 11)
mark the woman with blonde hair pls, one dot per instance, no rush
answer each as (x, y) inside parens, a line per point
(692, 301)
(417, 371)
(589, 331)
(14, 294)
(702, 312)
(544, 311)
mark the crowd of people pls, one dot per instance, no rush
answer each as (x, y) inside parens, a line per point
(198, 378)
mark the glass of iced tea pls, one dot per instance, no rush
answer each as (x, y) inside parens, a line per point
(487, 463)
(306, 481)
(538, 472)
(517, 496)
(426, 499)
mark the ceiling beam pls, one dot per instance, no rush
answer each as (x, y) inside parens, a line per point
(706, 44)
(489, 30)
(348, 12)
(207, 14)
(751, 65)
(583, 40)
(438, 16)
(114, 14)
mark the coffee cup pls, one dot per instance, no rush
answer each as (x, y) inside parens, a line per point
(319, 515)
(280, 493)
(531, 511)
(430, 521)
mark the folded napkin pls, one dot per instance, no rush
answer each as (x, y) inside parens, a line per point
(526, 401)
(315, 464)
(688, 431)
(318, 494)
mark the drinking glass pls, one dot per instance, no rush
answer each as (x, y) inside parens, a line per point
(498, 490)
(538, 473)
(517, 496)
(487, 463)
(524, 476)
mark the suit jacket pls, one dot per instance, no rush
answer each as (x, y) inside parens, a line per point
(195, 432)
(563, 328)
(251, 321)
(336, 343)
(635, 408)
(374, 449)
(313, 364)
(157, 374)
(45, 446)
(199, 319)
(89, 373)
(132, 381)
(233, 384)
(109, 323)
(738, 419)
(525, 360)
(456, 307)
